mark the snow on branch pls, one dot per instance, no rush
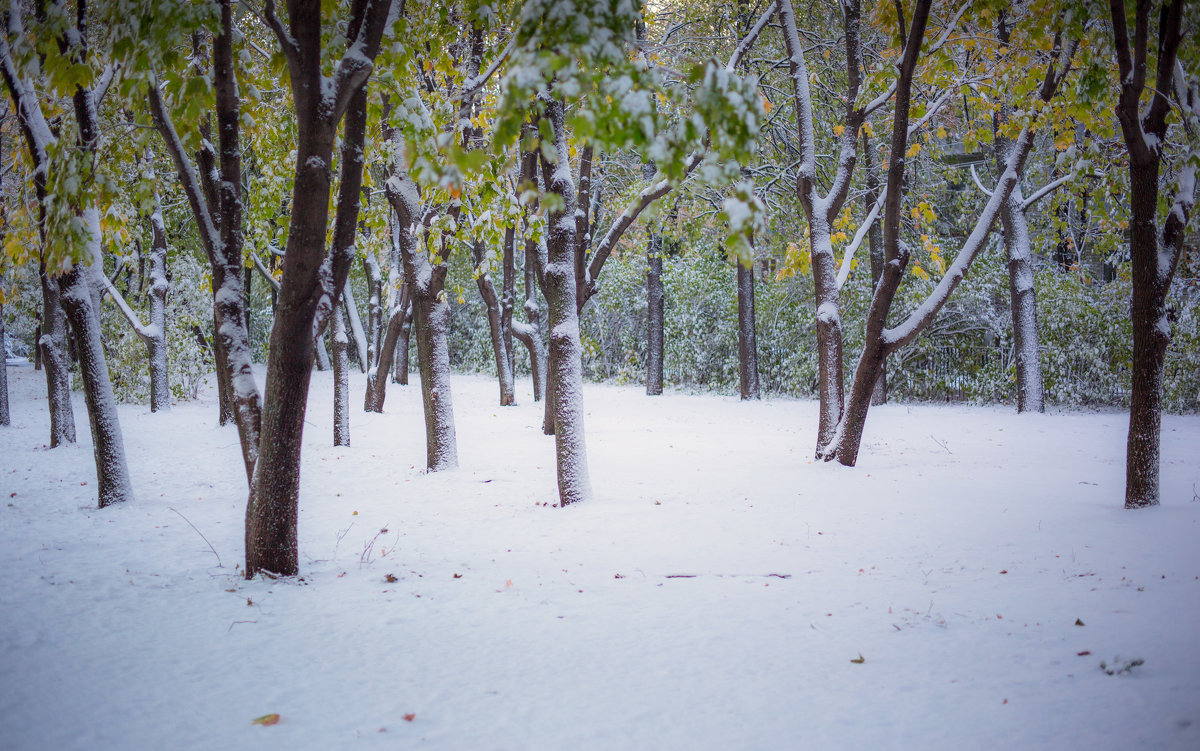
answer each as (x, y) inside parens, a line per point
(209, 234)
(358, 61)
(29, 112)
(472, 85)
(265, 272)
(863, 229)
(748, 40)
(1044, 191)
(626, 218)
(979, 183)
(291, 48)
(122, 305)
(940, 42)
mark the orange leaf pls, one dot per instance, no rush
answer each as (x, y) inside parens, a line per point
(409, 717)
(267, 719)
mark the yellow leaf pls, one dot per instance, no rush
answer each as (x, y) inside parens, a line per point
(912, 151)
(839, 129)
(267, 719)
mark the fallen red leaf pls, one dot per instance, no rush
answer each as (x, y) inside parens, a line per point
(1005, 571)
(409, 717)
(1084, 653)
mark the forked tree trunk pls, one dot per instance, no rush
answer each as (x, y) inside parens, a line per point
(566, 349)
(1154, 258)
(377, 377)
(747, 342)
(881, 341)
(320, 102)
(431, 318)
(112, 471)
(154, 335)
(822, 209)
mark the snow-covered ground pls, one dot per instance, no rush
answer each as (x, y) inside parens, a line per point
(716, 593)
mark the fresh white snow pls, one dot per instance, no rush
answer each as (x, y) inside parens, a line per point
(712, 594)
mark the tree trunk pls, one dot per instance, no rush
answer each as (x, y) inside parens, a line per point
(341, 380)
(566, 349)
(321, 353)
(320, 102)
(52, 344)
(375, 322)
(1151, 335)
(112, 471)
(655, 314)
(747, 344)
(875, 247)
(350, 310)
(401, 367)
(1153, 259)
(1022, 296)
(221, 362)
(377, 377)
(1024, 304)
(4, 418)
(495, 316)
(432, 320)
(156, 336)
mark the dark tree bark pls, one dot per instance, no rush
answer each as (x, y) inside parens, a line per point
(51, 345)
(375, 322)
(529, 333)
(403, 347)
(747, 344)
(875, 247)
(1154, 258)
(311, 280)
